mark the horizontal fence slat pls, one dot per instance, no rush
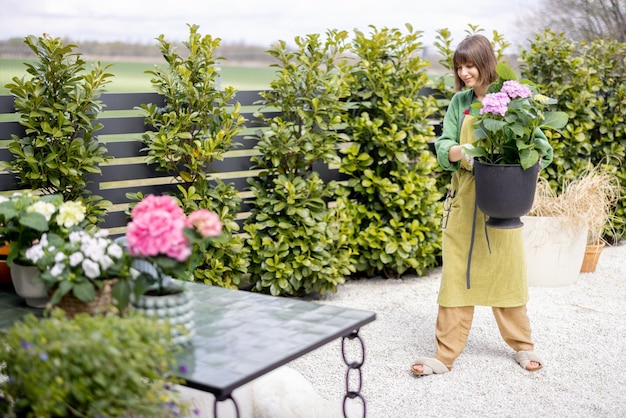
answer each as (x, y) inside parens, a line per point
(127, 101)
(11, 128)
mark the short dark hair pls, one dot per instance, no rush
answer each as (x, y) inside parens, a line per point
(476, 50)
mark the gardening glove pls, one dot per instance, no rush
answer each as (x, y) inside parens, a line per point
(468, 158)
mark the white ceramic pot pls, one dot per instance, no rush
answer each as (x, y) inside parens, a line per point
(177, 308)
(554, 250)
(28, 286)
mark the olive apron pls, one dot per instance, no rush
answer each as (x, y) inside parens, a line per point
(481, 265)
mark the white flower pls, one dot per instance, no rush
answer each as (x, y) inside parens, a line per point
(35, 253)
(46, 209)
(106, 262)
(91, 269)
(58, 257)
(57, 270)
(115, 251)
(76, 258)
(43, 241)
(94, 248)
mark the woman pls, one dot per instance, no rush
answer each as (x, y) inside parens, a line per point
(477, 270)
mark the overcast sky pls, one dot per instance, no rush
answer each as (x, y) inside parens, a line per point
(254, 22)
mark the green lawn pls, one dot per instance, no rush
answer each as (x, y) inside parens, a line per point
(130, 76)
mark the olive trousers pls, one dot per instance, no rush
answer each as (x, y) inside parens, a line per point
(454, 324)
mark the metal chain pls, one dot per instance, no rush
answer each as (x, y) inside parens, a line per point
(354, 369)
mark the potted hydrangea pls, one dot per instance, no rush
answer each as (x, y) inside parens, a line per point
(167, 244)
(509, 143)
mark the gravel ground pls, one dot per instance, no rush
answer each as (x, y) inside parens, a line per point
(579, 330)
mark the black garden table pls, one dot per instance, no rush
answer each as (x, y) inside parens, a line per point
(240, 336)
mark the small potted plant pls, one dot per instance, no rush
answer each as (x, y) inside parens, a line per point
(597, 192)
(24, 217)
(509, 143)
(89, 366)
(563, 230)
(85, 271)
(166, 245)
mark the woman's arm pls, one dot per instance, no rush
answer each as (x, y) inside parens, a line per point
(447, 145)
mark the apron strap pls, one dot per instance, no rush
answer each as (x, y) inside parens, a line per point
(471, 248)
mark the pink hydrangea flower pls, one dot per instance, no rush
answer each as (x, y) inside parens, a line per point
(207, 223)
(495, 103)
(515, 90)
(157, 228)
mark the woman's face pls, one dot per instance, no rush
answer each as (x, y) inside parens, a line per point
(469, 74)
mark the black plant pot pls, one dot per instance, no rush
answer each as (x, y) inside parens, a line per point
(504, 192)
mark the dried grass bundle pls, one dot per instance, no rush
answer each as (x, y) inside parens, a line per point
(588, 200)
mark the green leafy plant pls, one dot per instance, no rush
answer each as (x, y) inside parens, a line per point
(24, 217)
(391, 196)
(589, 78)
(295, 242)
(58, 106)
(97, 366)
(509, 116)
(194, 128)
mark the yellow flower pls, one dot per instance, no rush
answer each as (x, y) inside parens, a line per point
(71, 213)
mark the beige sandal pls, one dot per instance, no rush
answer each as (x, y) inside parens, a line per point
(524, 357)
(429, 365)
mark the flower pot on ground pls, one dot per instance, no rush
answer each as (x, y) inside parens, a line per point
(5, 270)
(592, 256)
(554, 249)
(598, 192)
(584, 204)
(90, 366)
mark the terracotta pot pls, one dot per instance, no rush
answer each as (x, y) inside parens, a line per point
(592, 255)
(5, 271)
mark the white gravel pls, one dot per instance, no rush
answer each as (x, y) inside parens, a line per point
(579, 330)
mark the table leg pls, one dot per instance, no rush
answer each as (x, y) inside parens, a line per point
(216, 402)
(354, 368)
